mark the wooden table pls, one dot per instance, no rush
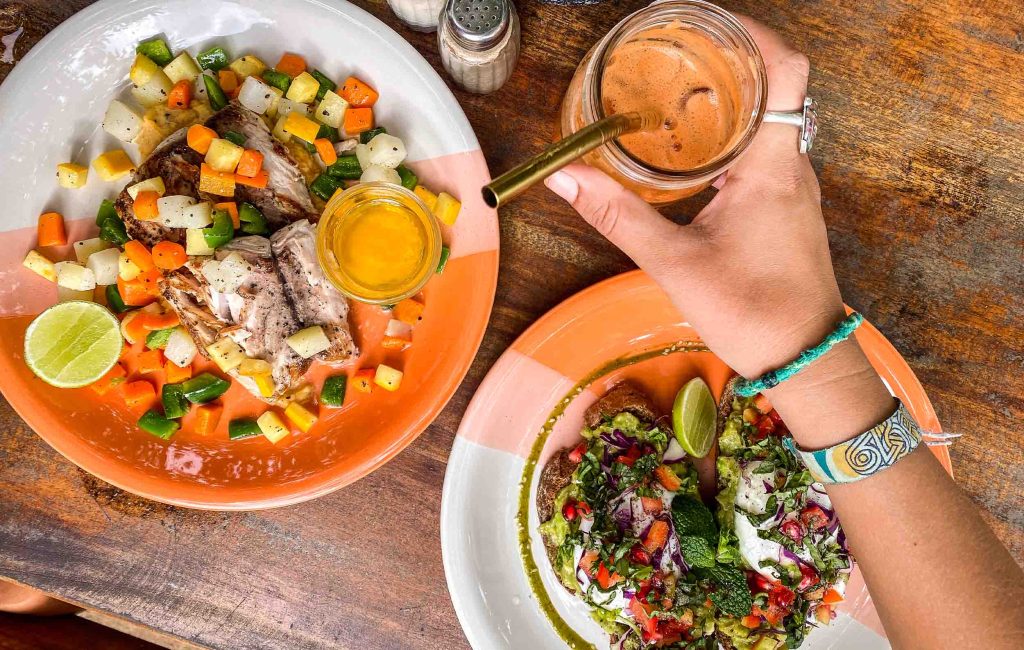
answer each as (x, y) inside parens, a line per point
(919, 155)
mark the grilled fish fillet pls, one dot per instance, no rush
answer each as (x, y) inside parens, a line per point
(315, 300)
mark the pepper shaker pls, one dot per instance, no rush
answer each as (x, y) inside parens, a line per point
(479, 42)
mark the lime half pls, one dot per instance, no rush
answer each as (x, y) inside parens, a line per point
(693, 418)
(73, 343)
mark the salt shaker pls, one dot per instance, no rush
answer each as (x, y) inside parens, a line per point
(420, 15)
(479, 42)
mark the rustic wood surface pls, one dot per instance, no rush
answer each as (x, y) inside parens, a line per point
(919, 156)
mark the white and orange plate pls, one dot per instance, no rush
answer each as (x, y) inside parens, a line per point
(51, 108)
(624, 327)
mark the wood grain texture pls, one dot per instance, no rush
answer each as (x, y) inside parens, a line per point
(919, 156)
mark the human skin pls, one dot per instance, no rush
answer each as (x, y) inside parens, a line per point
(753, 275)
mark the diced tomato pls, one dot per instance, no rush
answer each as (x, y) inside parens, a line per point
(656, 536)
(792, 529)
(753, 622)
(576, 455)
(667, 478)
(569, 510)
(776, 418)
(648, 624)
(639, 555)
(652, 505)
(814, 517)
(758, 583)
(630, 456)
(672, 626)
(587, 562)
(583, 508)
(765, 427)
(606, 578)
(824, 614)
(782, 596)
(832, 597)
(808, 577)
(761, 403)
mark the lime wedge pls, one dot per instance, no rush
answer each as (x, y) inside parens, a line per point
(73, 343)
(693, 418)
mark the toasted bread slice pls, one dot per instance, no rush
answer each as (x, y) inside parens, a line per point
(624, 397)
(725, 405)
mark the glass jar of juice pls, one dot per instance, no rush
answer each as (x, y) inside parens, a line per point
(378, 243)
(695, 65)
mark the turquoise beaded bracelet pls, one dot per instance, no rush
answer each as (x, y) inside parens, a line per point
(772, 378)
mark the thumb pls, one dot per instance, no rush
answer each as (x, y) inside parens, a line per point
(639, 230)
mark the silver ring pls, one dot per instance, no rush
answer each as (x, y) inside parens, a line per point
(806, 119)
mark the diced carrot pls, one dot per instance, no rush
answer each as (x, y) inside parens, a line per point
(153, 322)
(231, 207)
(832, 597)
(228, 81)
(139, 393)
(667, 478)
(139, 254)
(134, 326)
(133, 293)
(652, 505)
(259, 180)
(656, 536)
(199, 137)
(145, 206)
(168, 255)
(358, 93)
(291, 64)
(393, 343)
(174, 373)
(151, 361)
(606, 578)
(357, 120)
(150, 281)
(181, 95)
(212, 181)
(325, 148)
(126, 351)
(51, 230)
(362, 381)
(408, 311)
(207, 418)
(114, 377)
(249, 164)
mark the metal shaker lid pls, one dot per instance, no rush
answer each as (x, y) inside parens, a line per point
(478, 24)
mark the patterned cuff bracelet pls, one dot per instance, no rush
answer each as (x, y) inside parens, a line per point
(772, 378)
(879, 447)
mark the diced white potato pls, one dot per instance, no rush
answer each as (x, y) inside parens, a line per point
(86, 247)
(278, 95)
(279, 133)
(155, 184)
(309, 341)
(331, 109)
(182, 67)
(181, 350)
(385, 150)
(247, 66)
(399, 330)
(127, 269)
(272, 426)
(72, 176)
(178, 211)
(38, 264)
(67, 295)
(195, 243)
(223, 155)
(143, 69)
(121, 121)
(199, 91)
(255, 95)
(75, 276)
(388, 378)
(378, 173)
(363, 155)
(105, 265)
(286, 106)
(227, 354)
(154, 91)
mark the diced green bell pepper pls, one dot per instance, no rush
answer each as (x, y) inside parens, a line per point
(105, 212)
(157, 51)
(157, 339)
(113, 231)
(252, 221)
(333, 392)
(346, 168)
(175, 403)
(324, 186)
(278, 80)
(409, 179)
(443, 262)
(158, 425)
(114, 300)
(243, 428)
(214, 58)
(218, 99)
(222, 231)
(204, 388)
(328, 132)
(325, 84)
(236, 137)
(366, 136)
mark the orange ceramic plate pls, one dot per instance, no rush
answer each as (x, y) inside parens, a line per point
(563, 363)
(86, 61)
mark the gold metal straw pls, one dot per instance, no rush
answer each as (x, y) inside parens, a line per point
(513, 182)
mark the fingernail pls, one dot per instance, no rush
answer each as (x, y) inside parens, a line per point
(563, 185)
